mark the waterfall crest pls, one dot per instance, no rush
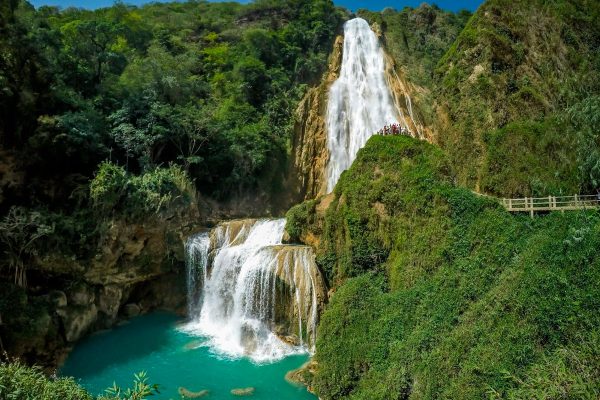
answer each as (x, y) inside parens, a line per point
(250, 294)
(359, 102)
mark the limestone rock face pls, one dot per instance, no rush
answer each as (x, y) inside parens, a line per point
(310, 154)
(131, 310)
(300, 295)
(109, 300)
(402, 93)
(140, 264)
(77, 321)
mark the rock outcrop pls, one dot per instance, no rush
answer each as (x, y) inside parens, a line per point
(138, 267)
(310, 154)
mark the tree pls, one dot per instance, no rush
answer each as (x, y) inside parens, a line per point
(19, 232)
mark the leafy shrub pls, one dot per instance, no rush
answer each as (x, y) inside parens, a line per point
(108, 186)
(138, 195)
(299, 217)
(20, 382)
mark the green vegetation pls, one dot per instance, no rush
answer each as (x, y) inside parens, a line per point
(507, 90)
(114, 190)
(208, 86)
(441, 293)
(19, 382)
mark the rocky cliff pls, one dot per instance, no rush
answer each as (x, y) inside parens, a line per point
(138, 267)
(309, 153)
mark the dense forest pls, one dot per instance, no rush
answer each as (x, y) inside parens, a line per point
(122, 128)
(206, 87)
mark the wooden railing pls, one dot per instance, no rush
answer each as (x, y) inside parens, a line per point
(551, 203)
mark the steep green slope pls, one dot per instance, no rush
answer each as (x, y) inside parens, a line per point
(441, 294)
(514, 96)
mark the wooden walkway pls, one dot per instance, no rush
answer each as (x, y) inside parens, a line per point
(552, 203)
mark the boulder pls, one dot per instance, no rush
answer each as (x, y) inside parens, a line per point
(249, 391)
(131, 310)
(77, 321)
(109, 300)
(192, 395)
(81, 294)
(57, 298)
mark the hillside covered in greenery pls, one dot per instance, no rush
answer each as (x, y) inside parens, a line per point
(439, 293)
(442, 294)
(512, 95)
(208, 86)
(124, 128)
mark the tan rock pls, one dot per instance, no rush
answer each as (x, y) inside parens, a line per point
(249, 391)
(77, 321)
(192, 395)
(109, 300)
(310, 154)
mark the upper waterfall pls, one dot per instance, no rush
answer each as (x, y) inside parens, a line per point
(249, 293)
(360, 102)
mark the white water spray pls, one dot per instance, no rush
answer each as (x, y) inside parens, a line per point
(359, 100)
(253, 295)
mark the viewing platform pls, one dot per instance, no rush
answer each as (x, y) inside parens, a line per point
(552, 203)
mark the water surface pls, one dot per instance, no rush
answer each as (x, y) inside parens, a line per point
(172, 358)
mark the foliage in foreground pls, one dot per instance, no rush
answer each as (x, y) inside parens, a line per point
(20, 382)
(442, 294)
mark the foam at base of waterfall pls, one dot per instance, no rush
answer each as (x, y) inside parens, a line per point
(226, 342)
(238, 299)
(359, 102)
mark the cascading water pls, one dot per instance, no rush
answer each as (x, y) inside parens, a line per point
(196, 249)
(251, 294)
(359, 100)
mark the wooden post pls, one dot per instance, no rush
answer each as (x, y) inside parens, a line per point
(549, 201)
(531, 207)
(576, 201)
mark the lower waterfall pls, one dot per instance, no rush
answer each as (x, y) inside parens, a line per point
(250, 294)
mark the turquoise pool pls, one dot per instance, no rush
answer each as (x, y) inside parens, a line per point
(173, 359)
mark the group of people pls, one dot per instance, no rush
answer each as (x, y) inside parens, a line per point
(394, 129)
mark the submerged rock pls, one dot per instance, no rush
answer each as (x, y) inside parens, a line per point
(192, 395)
(194, 344)
(249, 391)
